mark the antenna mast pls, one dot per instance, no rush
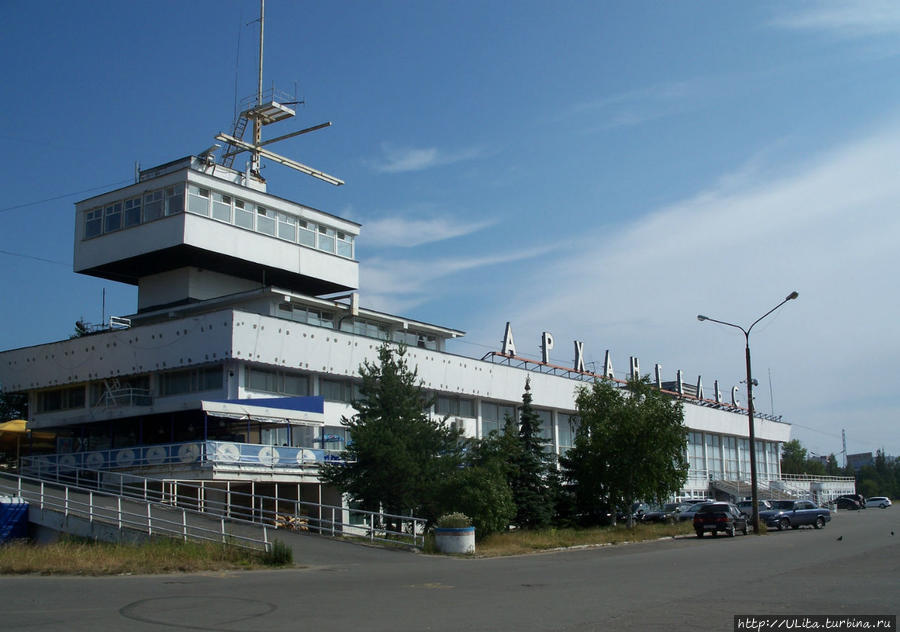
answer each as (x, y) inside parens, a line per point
(257, 126)
(264, 110)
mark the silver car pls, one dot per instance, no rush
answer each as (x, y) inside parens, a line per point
(746, 507)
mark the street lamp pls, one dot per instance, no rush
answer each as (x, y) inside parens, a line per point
(753, 482)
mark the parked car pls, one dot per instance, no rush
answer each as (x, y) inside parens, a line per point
(859, 498)
(716, 517)
(667, 513)
(846, 503)
(688, 514)
(746, 507)
(656, 513)
(793, 514)
(878, 501)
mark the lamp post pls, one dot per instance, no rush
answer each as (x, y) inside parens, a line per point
(754, 498)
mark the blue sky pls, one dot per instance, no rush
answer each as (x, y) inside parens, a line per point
(603, 171)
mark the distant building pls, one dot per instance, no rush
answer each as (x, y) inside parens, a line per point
(858, 461)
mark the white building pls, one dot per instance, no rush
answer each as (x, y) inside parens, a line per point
(237, 366)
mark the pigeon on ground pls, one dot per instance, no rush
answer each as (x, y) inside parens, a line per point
(840, 537)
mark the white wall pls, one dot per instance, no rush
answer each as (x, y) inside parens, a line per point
(246, 337)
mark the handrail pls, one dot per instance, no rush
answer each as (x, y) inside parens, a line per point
(150, 517)
(219, 499)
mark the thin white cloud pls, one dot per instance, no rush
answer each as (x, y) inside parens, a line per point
(850, 19)
(627, 109)
(407, 233)
(406, 159)
(392, 285)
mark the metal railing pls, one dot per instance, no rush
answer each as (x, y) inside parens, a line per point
(187, 454)
(142, 515)
(225, 500)
(122, 397)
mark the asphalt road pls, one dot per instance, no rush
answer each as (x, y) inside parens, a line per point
(675, 584)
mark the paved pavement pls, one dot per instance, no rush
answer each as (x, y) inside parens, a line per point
(666, 585)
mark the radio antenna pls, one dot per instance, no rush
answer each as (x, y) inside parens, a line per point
(265, 109)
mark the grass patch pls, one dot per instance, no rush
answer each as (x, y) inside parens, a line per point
(520, 542)
(76, 556)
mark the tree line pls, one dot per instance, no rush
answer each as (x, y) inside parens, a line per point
(629, 444)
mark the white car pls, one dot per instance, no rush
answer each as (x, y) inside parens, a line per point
(878, 501)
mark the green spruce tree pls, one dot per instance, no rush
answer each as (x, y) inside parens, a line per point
(398, 456)
(531, 460)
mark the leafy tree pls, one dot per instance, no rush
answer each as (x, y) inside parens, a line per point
(13, 406)
(793, 458)
(399, 457)
(481, 489)
(629, 446)
(531, 462)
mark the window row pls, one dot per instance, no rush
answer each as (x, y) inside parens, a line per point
(190, 381)
(726, 457)
(277, 382)
(60, 399)
(231, 210)
(359, 326)
(121, 392)
(297, 384)
(133, 211)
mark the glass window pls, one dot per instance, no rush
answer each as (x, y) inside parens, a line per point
(174, 200)
(334, 438)
(744, 449)
(714, 456)
(276, 382)
(261, 380)
(198, 200)
(326, 239)
(274, 436)
(467, 408)
(296, 384)
(210, 378)
(568, 428)
(546, 423)
(265, 221)
(93, 223)
(338, 390)
(455, 406)
(731, 458)
(133, 212)
(112, 217)
(221, 207)
(287, 227)
(177, 382)
(493, 417)
(153, 205)
(345, 245)
(243, 215)
(321, 319)
(61, 399)
(307, 233)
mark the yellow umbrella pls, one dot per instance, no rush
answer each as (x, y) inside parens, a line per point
(12, 433)
(16, 425)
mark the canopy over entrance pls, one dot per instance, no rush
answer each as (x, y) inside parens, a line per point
(283, 410)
